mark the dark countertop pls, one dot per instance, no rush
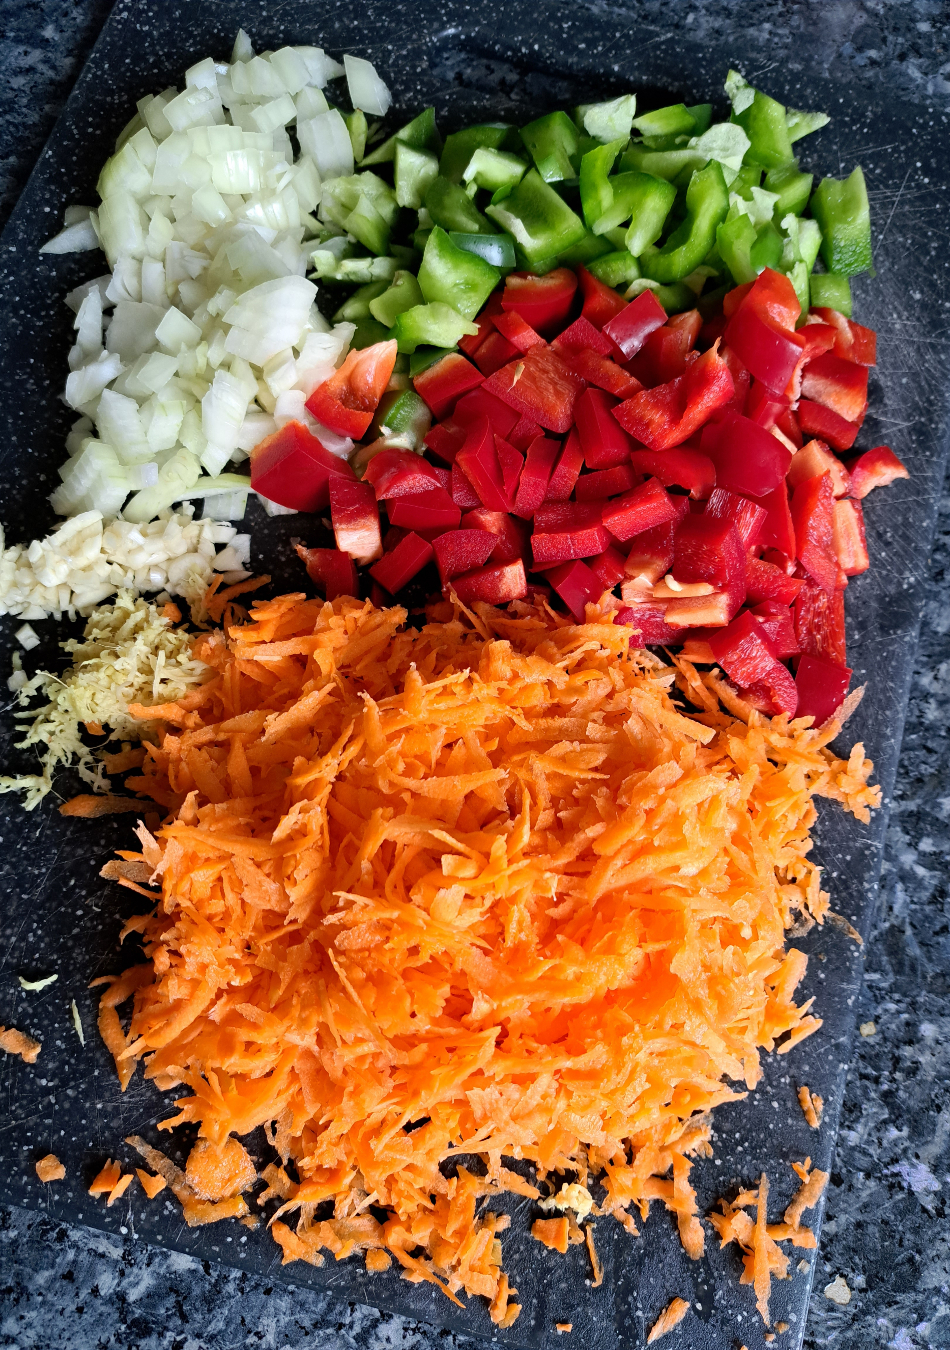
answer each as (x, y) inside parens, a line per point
(886, 1230)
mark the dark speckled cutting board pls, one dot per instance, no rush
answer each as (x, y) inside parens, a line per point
(510, 60)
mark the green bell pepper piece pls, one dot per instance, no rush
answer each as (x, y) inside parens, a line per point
(793, 188)
(328, 266)
(799, 124)
(675, 120)
(643, 200)
(340, 196)
(674, 298)
(415, 172)
(450, 207)
(767, 249)
(368, 332)
(357, 306)
(367, 225)
(402, 412)
(356, 126)
(829, 290)
(701, 114)
(668, 164)
(735, 239)
(424, 358)
(420, 237)
(615, 269)
(763, 121)
(844, 216)
(454, 276)
(748, 177)
(387, 305)
(435, 325)
(707, 202)
(497, 249)
(606, 121)
(540, 222)
(597, 194)
(553, 140)
(587, 249)
(461, 145)
(420, 133)
(493, 169)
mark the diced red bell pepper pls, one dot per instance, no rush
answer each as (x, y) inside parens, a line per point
(747, 459)
(543, 302)
(432, 510)
(838, 384)
(443, 384)
(822, 687)
(567, 530)
(646, 507)
(662, 357)
(538, 385)
(819, 622)
(778, 532)
(577, 585)
(852, 341)
(812, 461)
(399, 473)
(354, 515)
(330, 569)
(812, 510)
(511, 462)
(483, 320)
(875, 468)
(445, 440)
(741, 380)
(773, 295)
(669, 414)
(345, 403)
(776, 694)
(600, 302)
(523, 433)
(819, 338)
(597, 487)
(651, 553)
(496, 351)
(583, 336)
(766, 582)
(379, 596)
(536, 475)
(495, 585)
(511, 537)
(517, 331)
(678, 468)
(776, 620)
(293, 469)
(709, 549)
(649, 624)
(768, 350)
(603, 440)
(763, 406)
(743, 649)
(483, 403)
(849, 539)
(787, 424)
(701, 611)
(567, 469)
(629, 329)
(748, 517)
(462, 492)
(817, 420)
(461, 551)
(608, 567)
(714, 325)
(478, 460)
(444, 477)
(603, 373)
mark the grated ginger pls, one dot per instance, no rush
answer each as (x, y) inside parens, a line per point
(129, 653)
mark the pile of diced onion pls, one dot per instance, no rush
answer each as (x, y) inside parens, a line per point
(204, 337)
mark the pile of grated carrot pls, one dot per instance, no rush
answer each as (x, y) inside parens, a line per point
(483, 888)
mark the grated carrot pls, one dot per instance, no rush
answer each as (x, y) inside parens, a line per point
(151, 1185)
(15, 1042)
(106, 1179)
(50, 1168)
(596, 1267)
(812, 1106)
(120, 1188)
(669, 1318)
(486, 876)
(552, 1232)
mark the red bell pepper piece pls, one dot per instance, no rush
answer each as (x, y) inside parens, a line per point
(495, 585)
(787, 424)
(649, 624)
(819, 622)
(776, 694)
(813, 517)
(663, 356)
(609, 567)
(567, 530)
(812, 461)
(443, 384)
(461, 551)
(707, 548)
(819, 338)
(594, 487)
(583, 336)
(603, 440)
(773, 294)
(849, 539)
(567, 469)
(481, 403)
(822, 686)
(347, 400)
(445, 440)
(536, 475)
(875, 468)
(472, 341)
(478, 460)
(741, 380)
(602, 372)
(768, 350)
(543, 302)
(748, 517)
(776, 622)
(817, 420)
(838, 384)
(461, 491)
(577, 585)
(432, 510)
(379, 596)
(538, 385)
(523, 433)
(444, 477)
(629, 329)
(764, 406)
(330, 569)
(743, 649)
(511, 462)
(747, 459)
(766, 582)
(355, 519)
(399, 473)
(516, 331)
(510, 536)
(701, 611)
(600, 302)
(292, 468)
(646, 507)
(651, 553)
(496, 351)
(678, 468)
(852, 341)
(669, 414)
(778, 532)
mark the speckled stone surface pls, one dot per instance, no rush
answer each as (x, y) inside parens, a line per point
(885, 1231)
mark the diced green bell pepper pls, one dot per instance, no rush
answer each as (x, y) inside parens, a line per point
(328, 266)
(763, 121)
(844, 217)
(829, 290)
(702, 116)
(793, 188)
(461, 145)
(767, 249)
(799, 124)
(420, 133)
(707, 202)
(597, 194)
(540, 222)
(735, 239)
(420, 237)
(424, 358)
(367, 225)
(748, 177)
(668, 164)
(494, 169)
(368, 332)
(615, 269)
(606, 121)
(403, 413)
(553, 141)
(450, 207)
(415, 172)
(587, 249)
(403, 294)
(454, 276)
(356, 126)
(364, 206)
(497, 249)
(643, 200)
(435, 325)
(674, 120)
(357, 306)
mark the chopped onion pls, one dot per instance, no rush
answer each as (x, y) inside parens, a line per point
(86, 384)
(242, 50)
(275, 508)
(27, 637)
(269, 318)
(77, 238)
(326, 140)
(367, 90)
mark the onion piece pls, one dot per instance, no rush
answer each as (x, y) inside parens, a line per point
(367, 91)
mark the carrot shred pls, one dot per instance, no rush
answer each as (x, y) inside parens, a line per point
(670, 1317)
(15, 1042)
(151, 1185)
(89, 805)
(107, 1179)
(551, 1232)
(812, 1106)
(482, 887)
(120, 1188)
(596, 1267)
(50, 1168)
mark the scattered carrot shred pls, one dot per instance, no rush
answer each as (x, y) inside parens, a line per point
(18, 1043)
(669, 1318)
(552, 1233)
(596, 1266)
(120, 1188)
(484, 888)
(50, 1168)
(90, 804)
(377, 1259)
(151, 1185)
(106, 1179)
(563, 1326)
(812, 1106)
